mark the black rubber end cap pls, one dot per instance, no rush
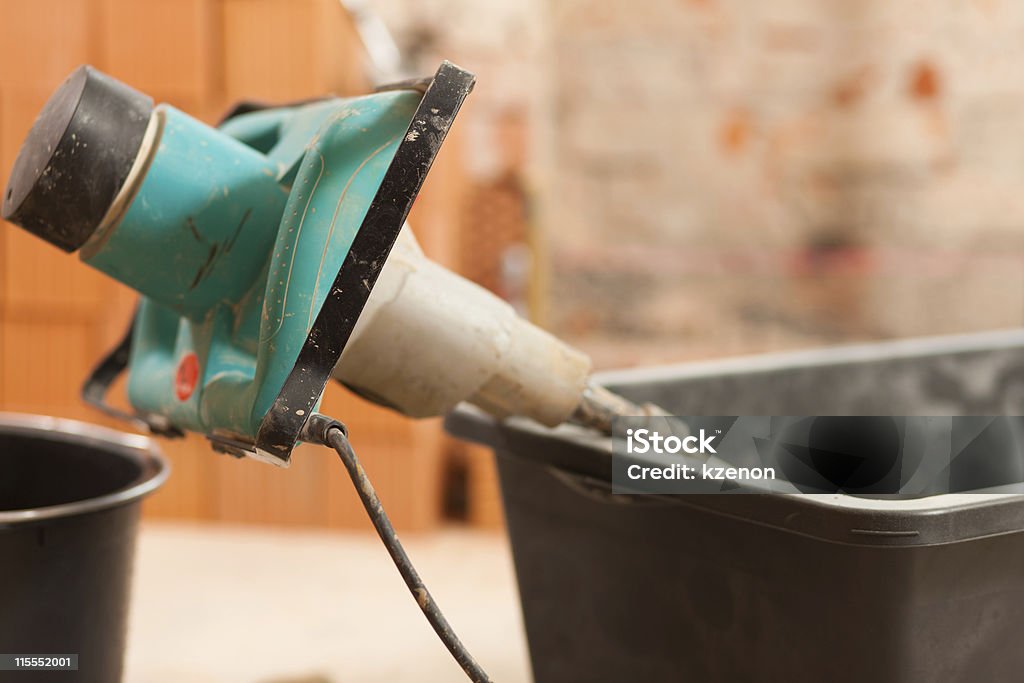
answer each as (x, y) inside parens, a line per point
(76, 158)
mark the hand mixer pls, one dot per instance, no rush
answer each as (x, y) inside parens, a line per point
(271, 255)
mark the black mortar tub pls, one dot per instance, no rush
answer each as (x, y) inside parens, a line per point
(791, 587)
(70, 497)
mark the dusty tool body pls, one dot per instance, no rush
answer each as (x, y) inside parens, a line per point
(263, 253)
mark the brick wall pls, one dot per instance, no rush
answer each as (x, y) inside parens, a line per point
(736, 176)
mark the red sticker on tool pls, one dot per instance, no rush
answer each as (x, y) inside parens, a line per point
(187, 377)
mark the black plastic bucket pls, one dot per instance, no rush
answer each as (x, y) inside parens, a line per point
(795, 588)
(70, 498)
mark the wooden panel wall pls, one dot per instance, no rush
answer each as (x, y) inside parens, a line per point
(57, 316)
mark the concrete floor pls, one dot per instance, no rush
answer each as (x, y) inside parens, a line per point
(216, 604)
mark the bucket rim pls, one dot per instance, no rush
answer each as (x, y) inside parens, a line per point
(140, 449)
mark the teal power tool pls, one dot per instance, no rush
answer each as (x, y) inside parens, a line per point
(254, 246)
(271, 256)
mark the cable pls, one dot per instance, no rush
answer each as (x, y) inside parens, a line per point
(335, 436)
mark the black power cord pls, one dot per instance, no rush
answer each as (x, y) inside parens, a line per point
(324, 430)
